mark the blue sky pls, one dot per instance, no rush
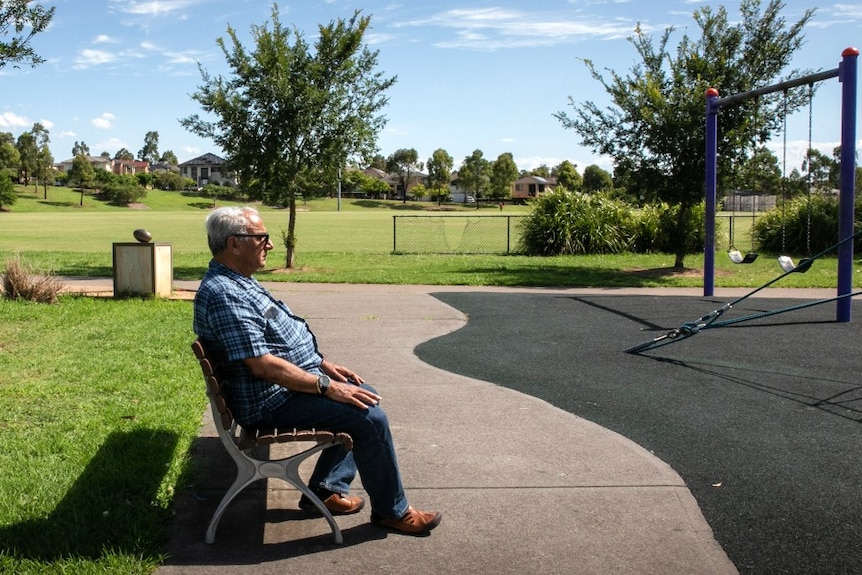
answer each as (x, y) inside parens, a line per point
(472, 74)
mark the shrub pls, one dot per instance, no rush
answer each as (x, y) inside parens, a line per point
(693, 235)
(785, 228)
(7, 191)
(19, 282)
(567, 223)
(123, 193)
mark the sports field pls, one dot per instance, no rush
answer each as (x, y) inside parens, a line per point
(353, 244)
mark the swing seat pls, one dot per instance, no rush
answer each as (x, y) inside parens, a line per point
(737, 257)
(786, 263)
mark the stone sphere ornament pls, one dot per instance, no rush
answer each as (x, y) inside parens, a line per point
(143, 236)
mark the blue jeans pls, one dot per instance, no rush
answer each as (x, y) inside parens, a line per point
(373, 454)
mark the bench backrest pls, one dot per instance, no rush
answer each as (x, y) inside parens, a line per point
(243, 438)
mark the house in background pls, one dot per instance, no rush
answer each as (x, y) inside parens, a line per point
(132, 167)
(207, 169)
(98, 163)
(531, 187)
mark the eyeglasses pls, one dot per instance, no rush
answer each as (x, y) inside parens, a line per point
(263, 237)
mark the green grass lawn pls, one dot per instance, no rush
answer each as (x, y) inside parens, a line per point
(102, 398)
(101, 401)
(353, 245)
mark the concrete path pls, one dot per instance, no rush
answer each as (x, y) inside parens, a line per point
(523, 486)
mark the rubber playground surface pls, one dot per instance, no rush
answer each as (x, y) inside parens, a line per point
(762, 419)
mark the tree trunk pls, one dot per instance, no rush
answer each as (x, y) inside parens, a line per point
(290, 240)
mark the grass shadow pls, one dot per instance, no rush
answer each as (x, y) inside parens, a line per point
(582, 276)
(110, 506)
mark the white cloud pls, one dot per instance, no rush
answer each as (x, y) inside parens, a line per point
(491, 29)
(103, 122)
(13, 120)
(88, 58)
(153, 7)
(104, 39)
(47, 124)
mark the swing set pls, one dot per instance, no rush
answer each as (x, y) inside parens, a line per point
(846, 74)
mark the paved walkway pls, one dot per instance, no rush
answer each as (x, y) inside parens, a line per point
(524, 487)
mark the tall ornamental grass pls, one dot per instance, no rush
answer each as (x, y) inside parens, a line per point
(573, 223)
(804, 225)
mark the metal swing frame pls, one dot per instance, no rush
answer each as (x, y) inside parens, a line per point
(847, 74)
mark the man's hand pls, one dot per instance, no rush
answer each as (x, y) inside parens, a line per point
(353, 394)
(345, 386)
(340, 373)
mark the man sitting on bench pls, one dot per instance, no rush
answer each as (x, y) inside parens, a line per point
(276, 377)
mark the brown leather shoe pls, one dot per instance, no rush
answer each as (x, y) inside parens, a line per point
(336, 503)
(414, 522)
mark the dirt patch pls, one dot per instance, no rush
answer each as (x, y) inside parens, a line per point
(656, 273)
(137, 206)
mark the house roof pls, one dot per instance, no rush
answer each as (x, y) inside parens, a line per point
(91, 159)
(209, 159)
(535, 180)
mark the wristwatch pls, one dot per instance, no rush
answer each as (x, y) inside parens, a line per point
(323, 382)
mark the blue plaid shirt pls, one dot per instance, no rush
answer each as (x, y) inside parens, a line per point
(238, 318)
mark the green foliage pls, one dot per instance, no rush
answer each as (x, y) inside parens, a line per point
(569, 223)
(785, 228)
(227, 193)
(122, 193)
(418, 192)
(26, 19)
(503, 173)
(403, 162)
(439, 167)
(655, 124)
(169, 180)
(8, 197)
(563, 223)
(474, 174)
(596, 179)
(568, 177)
(288, 113)
(81, 174)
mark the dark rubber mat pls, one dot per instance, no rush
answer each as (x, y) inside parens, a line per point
(762, 419)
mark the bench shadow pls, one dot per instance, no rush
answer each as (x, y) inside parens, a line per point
(109, 507)
(241, 538)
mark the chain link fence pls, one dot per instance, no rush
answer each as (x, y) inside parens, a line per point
(460, 234)
(455, 234)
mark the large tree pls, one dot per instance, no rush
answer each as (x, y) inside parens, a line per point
(473, 175)
(28, 153)
(44, 158)
(439, 167)
(404, 162)
(503, 172)
(150, 151)
(80, 149)
(23, 19)
(654, 129)
(290, 114)
(567, 176)
(81, 175)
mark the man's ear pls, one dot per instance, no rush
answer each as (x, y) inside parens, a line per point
(233, 244)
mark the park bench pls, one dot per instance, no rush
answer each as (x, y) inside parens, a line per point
(242, 444)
